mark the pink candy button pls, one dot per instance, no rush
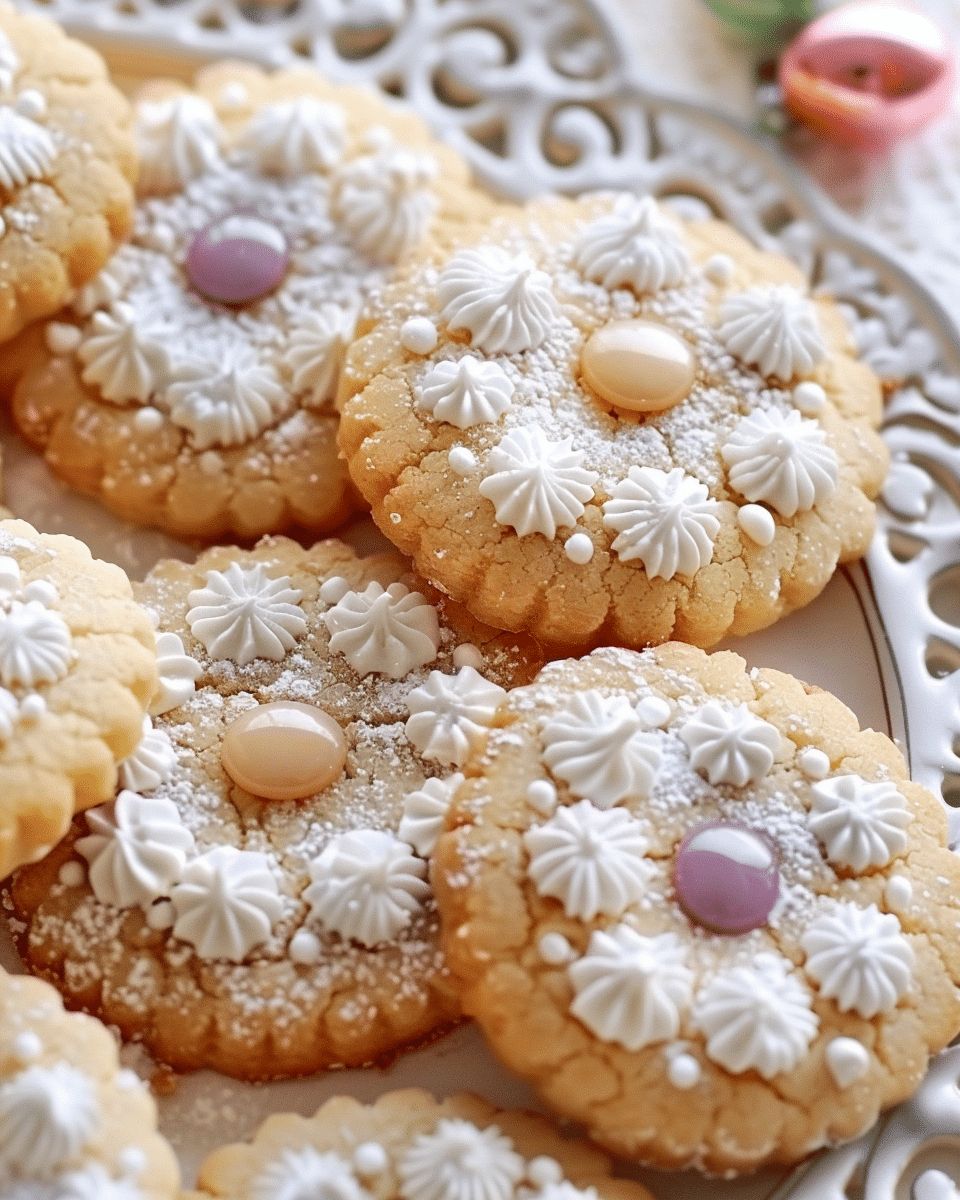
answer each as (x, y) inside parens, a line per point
(237, 258)
(868, 74)
(726, 877)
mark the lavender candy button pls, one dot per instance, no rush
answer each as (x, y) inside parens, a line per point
(237, 258)
(726, 877)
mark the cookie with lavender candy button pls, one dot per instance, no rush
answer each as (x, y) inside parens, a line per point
(190, 385)
(629, 428)
(73, 1124)
(77, 670)
(409, 1146)
(255, 899)
(699, 909)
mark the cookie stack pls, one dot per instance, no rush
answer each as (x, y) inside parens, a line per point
(285, 807)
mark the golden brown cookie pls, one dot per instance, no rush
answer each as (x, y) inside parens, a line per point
(72, 1123)
(256, 898)
(629, 429)
(67, 167)
(191, 385)
(77, 669)
(699, 909)
(408, 1146)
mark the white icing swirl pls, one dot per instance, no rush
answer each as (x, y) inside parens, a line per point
(226, 903)
(243, 614)
(177, 140)
(782, 460)
(859, 957)
(9, 63)
(47, 1116)
(27, 150)
(137, 849)
(307, 1174)
(35, 645)
(504, 301)
(730, 745)
(315, 348)
(756, 1018)
(295, 136)
(177, 673)
(225, 401)
(773, 328)
(590, 860)
(122, 359)
(630, 989)
(666, 519)
(450, 713)
(367, 884)
(536, 485)
(465, 393)
(387, 632)
(104, 289)
(458, 1161)
(151, 763)
(634, 247)
(860, 823)
(93, 1183)
(424, 811)
(385, 201)
(598, 745)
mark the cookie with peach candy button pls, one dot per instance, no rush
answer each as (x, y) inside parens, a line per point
(699, 909)
(190, 385)
(256, 898)
(77, 670)
(73, 1124)
(600, 424)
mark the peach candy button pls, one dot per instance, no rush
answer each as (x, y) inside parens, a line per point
(284, 751)
(638, 366)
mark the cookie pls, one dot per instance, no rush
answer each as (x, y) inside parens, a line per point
(190, 387)
(409, 1146)
(77, 670)
(256, 898)
(630, 429)
(72, 1123)
(66, 169)
(700, 910)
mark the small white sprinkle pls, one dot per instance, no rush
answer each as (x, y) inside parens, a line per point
(162, 239)
(809, 397)
(654, 711)
(898, 892)
(579, 548)
(27, 1046)
(467, 655)
(31, 103)
(542, 796)
(370, 1158)
(719, 269)
(757, 523)
(333, 590)
(396, 518)
(61, 338)
(544, 1172)
(814, 763)
(462, 460)
(210, 463)
(41, 590)
(72, 874)
(683, 1071)
(305, 947)
(555, 949)
(32, 707)
(418, 335)
(148, 420)
(131, 1161)
(161, 915)
(234, 94)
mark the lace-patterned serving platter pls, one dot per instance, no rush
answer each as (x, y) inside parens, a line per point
(540, 95)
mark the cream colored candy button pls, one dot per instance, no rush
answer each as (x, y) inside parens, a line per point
(638, 366)
(284, 750)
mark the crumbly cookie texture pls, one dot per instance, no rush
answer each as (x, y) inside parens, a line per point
(72, 1122)
(67, 167)
(629, 429)
(699, 909)
(409, 1145)
(184, 403)
(256, 897)
(77, 670)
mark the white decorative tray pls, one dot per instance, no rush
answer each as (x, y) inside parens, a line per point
(539, 95)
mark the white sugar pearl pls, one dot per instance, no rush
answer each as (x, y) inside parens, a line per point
(683, 1071)
(333, 590)
(32, 707)
(467, 655)
(72, 874)
(418, 335)
(127, 1080)
(41, 590)
(370, 1158)
(757, 523)
(654, 711)
(234, 94)
(898, 892)
(809, 397)
(542, 796)
(305, 947)
(27, 1046)
(462, 460)
(544, 1172)
(847, 1059)
(719, 269)
(579, 548)
(555, 949)
(131, 1161)
(161, 916)
(814, 763)
(147, 420)
(61, 338)
(31, 103)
